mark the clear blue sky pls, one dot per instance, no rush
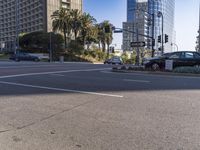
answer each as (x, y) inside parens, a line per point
(186, 18)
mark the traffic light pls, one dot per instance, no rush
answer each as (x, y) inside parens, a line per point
(159, 39)
(107, 29)
(160, 49)
(112, 49)
(166, 38)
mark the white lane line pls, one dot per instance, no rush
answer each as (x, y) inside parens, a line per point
(139, 81)
(106, 72)
(59, 75)
(53, 72)
(61, 90)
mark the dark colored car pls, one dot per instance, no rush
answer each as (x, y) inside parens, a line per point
(181, 58)
(24, 56)
(114, 61)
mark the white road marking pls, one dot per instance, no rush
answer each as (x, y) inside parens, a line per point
(53, 72)
(61, 90)
(59, 75)
(140, 81)
(106, 72)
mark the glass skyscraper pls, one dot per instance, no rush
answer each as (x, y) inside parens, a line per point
(167, 7)
(131, 5)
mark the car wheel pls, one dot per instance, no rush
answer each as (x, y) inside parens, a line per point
(197, 66)
(36, 60)
(155, 67)
(17, 59)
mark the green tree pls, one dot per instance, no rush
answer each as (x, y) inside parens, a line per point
(75, 22)
(101, 36)
(40, 41)
(106, 34)
(61, 22)
(87, 28)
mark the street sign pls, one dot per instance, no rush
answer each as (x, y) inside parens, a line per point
(169, 65)
(118, 31)
(138, 44)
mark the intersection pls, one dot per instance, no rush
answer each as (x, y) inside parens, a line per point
(85, 106)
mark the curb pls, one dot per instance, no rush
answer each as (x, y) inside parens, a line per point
(158, 73)
(5, 60)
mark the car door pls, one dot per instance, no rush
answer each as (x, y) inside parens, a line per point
(197, 58)
(189, 59)
(176, 57)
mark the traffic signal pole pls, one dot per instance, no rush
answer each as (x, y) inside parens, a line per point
(138, 49)
(153, 39)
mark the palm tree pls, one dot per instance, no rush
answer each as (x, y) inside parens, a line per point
(61, 22)
(106, 37)
(75, 22)
(87, 26)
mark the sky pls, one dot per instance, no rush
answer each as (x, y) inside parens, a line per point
(186, 19)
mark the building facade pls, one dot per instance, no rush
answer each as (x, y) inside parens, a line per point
(153, 25)
(24, 16)
(138, 25)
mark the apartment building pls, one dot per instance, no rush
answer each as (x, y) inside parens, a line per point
(24, 16)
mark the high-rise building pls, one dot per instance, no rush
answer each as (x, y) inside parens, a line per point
(136, 22)
(167, 7)
(24, 16)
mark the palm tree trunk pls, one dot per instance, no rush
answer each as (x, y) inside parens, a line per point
(99, 45)
(75, 34)
(65, 37)
(108, 50)
(103, 47)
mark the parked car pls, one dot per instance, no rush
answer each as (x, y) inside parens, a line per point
(24, 56)
(181, 58)
(114, 61)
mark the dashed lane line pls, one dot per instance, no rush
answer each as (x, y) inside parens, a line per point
(139, 81)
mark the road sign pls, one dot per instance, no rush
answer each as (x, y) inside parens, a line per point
(169, 65)
(138, 44)
(118, 31)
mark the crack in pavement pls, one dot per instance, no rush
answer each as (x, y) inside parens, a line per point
(46, 118)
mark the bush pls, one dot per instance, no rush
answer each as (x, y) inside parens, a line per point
(95, 54)
(195, 70)
(124, 57)
(75, 48)
(129, 61)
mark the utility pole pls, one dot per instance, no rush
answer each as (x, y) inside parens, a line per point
(138, 49)
(50, 47)
(16, 45)
(160, 14)
(153, 30)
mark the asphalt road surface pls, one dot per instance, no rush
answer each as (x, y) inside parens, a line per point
(77, 106)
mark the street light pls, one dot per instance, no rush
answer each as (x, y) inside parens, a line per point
(160, 14)
(175, 45)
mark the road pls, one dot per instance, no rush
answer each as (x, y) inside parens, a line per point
(76, 106)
